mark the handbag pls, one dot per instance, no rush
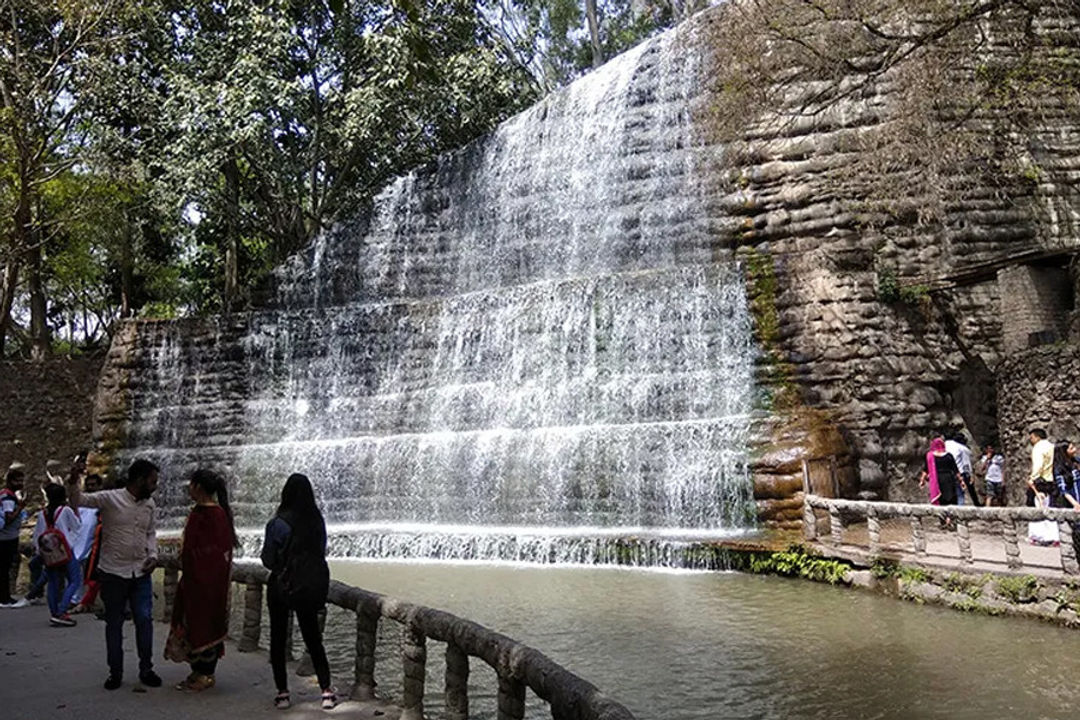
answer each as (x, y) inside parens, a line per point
(177, 646)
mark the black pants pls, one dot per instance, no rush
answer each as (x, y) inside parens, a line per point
(1045, 487)
(970, 487)
(9, 557)
(205, 663)
(307, 619)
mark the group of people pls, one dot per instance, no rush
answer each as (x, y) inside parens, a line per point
(1054, 480)
(109, 538)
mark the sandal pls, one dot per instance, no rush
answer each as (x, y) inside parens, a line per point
(282, 702)
(196, 682)
(329, 699)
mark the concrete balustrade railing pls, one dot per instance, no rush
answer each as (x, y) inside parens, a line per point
(518, 666)
(1007, 519)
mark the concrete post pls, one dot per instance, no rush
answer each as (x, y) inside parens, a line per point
(169, 584)
(457, 683)
(367, 628)
(414, 662)
(511, 699)
(1068, 550)
(836, 526)
(963, 541)
(253, 601)
(809, 520)
(918, 537)
(1012, 548)
(873, 531)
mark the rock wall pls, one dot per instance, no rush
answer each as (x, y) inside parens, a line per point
(1039, 387)
(47, 412)
(890, 373)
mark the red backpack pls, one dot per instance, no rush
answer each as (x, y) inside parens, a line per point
(53, 547)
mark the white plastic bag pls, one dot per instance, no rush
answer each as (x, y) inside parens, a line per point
(1044, 532)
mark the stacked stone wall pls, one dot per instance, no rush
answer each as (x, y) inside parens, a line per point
(47, 412)
(1040, 388)
(1035, 304)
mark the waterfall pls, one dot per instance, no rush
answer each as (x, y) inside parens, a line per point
(533, 340)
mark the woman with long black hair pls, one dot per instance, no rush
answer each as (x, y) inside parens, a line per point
(200, 619)
(295, 553)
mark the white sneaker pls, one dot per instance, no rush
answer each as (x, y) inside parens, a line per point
(20, 603)
(8, 605)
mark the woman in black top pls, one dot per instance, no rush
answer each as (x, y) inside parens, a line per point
(948, 474)
(295, 553)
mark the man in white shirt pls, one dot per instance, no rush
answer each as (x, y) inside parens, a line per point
(127, 556)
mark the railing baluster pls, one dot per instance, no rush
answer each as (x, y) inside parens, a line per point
(367, 629)
(1008, 538)
(873, 531)
(809, 521)
(836, 525)
(253, 600)
(457, 683)
(511, 699)
(918, 536)
(169, 584)
(1068, 550)
(414, 661)
(963, 541)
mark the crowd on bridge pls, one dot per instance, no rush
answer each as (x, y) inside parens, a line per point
(1053, 479)
(96, 545)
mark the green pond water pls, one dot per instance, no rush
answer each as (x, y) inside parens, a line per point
(728, 645)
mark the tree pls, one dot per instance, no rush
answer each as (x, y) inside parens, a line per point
(558, 40)
(287, 115)
(47, 50)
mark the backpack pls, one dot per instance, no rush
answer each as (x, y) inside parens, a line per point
(53, 547)
(305, 579)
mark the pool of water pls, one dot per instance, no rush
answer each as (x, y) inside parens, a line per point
(727, 645)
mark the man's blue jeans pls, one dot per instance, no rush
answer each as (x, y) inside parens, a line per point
(117, 593)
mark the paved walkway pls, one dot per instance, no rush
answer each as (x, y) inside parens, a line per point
(49, 673)
(987, 547)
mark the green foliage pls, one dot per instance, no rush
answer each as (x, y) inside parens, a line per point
(883, 568)
(550, 37)
(1022, 589)
(910, 574)
(780, 389)
(960, 583)
(796, 561)
(890, 291)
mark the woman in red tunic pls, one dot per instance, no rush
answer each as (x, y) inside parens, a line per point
(200, 618)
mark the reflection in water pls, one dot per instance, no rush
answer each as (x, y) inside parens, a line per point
(710, 645)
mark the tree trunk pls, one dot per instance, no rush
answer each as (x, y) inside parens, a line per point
(232, 239)
(126, 269)
(7, 298)
(594, 33)
(40, 342)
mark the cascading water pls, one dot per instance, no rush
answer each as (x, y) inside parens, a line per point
(532, 344)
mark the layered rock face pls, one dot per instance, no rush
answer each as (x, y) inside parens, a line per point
(892, 373)
(552, 327)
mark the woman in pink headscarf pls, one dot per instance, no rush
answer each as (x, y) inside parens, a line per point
(942, 474)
